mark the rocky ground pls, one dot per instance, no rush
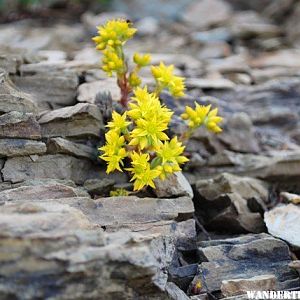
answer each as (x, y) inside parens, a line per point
(232, 226)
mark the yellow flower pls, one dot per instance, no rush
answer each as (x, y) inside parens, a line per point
(142, 60)
(114, 33)
(118, 123)
(134, 80)
(112, 62)
(114, 153)
(166, 79)
(143, 175)
(149, 133)
(202, 115)
(170, 157)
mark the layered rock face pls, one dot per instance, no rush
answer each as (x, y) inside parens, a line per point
(228, 223)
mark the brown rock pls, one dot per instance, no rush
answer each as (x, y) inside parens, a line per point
(19, 125)
(74, 121)
(236, 287)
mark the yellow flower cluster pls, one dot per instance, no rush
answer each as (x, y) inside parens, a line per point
(202, 115)
(111, 37)
(139, 134)
(113, 34)
(166, 79)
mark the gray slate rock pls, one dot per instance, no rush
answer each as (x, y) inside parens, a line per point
(21, 147)
(63, 146)
(58, 166)
(19, 125)
(79, 120)
(12, 99)
(231, 203)
(245, 257)
(174, 185)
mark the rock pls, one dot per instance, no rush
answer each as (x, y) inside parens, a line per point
(63, 146)
(221, 34)
(295, 265)
(174, 185)
(52, 238)
(10, 62)
(205, 83)
(147, 26)
(55, 56)
(133, 211)
(231, 203)
(236, 287)
(288, 58)
(41, 192)
(21, 147)
(99, 186)
(136, 9)
(245, 257)
(79, 120)
(214, 50)
(175, 292)
(290, 197)
(249, 24)
(240, 134)
(55, 89)
(19, 125)
(284, 222)
(58, 166)
(11, 99)
(198, 14)
(87, 91)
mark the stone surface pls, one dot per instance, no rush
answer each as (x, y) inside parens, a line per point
(134, 210)
(198, 13)
(55, 89)
(284, 222)
(174, 185)
(21, 147)
(79, 120)
(41, 192)
(99, 186)
(11, 99)
(243, 258)
(290, 197)
(58, 166)
(240, 134)
(63, 146)
(231, 203)
(19, 125)
(236, 287)
(87, 91)
(54, 243)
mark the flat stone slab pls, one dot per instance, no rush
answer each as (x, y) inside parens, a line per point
(21, 147)
(284, 223)
(245, 257)
(79, 120)
(19, 125)
(64, 146)
(59, 166)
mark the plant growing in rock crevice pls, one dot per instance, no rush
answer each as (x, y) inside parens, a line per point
(139, 134)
